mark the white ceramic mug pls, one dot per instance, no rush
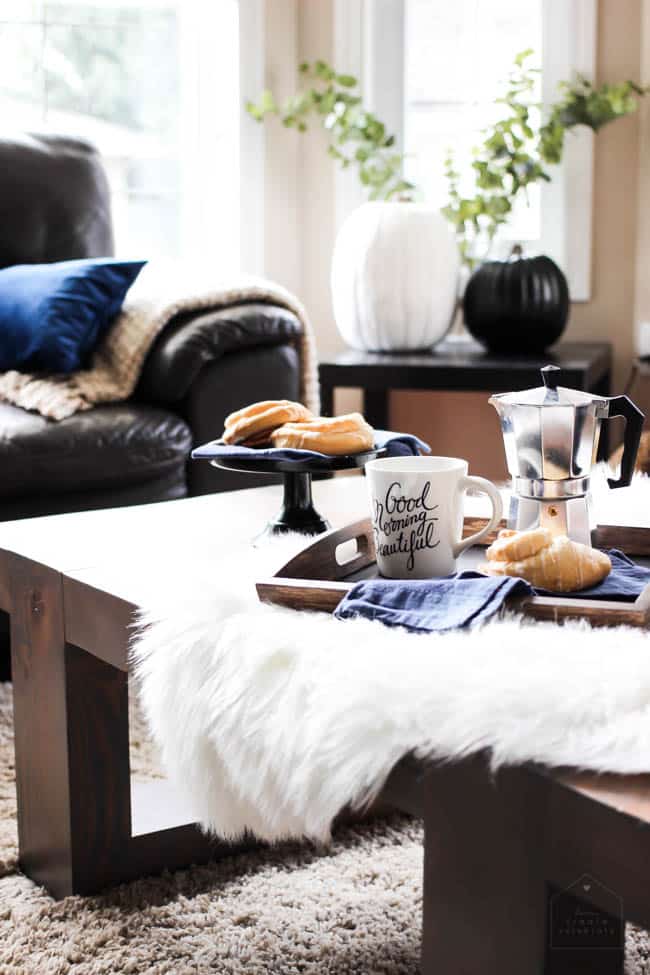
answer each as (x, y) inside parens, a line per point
(417, 514)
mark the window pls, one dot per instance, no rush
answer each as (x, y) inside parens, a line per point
(155, 86)
(431, 69)
(456, 57)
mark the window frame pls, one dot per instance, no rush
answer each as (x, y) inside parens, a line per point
(369, 42)
(252, 151)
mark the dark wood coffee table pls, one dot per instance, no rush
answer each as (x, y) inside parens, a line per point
(498, 849)
(72, 584)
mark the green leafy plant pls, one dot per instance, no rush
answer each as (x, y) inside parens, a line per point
(356, 137)
(513, 155)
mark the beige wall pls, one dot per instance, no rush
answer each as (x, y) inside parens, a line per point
(610, 313)
(641, 391)
(299, 218)
(464, 423)
(316, 31)
(282, 229)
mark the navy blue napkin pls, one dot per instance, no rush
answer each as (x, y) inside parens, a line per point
(396, 444)
(469, 598)
(427, 605)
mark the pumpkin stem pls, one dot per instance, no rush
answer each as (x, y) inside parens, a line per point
(516, 252)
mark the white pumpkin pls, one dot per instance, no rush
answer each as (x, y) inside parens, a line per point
(394, 277)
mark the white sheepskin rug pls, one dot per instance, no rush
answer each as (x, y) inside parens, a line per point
(274, 720)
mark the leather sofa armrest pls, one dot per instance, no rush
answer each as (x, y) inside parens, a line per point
(267, 372)
(193, 340)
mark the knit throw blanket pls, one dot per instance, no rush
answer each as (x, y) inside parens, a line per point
(156, 298)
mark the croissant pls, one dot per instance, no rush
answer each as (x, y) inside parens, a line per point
(547, 561)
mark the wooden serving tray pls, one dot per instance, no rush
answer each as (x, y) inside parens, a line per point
(319, 576)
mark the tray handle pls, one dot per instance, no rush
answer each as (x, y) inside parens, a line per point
(319, 561)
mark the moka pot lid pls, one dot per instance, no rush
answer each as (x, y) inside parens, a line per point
(548, 395)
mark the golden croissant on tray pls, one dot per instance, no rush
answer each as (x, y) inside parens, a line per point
(547, 561)
(282, 423)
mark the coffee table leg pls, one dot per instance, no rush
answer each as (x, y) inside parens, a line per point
(5, 653)
(484, 893)
(71, 740)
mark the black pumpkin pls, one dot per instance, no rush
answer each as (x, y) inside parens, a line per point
(519, 305)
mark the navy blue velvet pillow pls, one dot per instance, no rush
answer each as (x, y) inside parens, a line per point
(53, 315)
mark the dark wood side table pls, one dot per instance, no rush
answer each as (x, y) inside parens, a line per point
(459, 365)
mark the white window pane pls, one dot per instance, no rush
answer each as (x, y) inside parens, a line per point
(154, 85)
(20, 11)
(456, 60)
(21, 75)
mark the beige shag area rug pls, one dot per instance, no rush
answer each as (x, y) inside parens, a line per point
(351, 909)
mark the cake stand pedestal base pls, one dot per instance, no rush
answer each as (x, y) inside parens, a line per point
(297, 513)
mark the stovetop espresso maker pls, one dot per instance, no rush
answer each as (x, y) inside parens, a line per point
(551, 438)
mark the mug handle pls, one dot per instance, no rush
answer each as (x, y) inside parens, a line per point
(485, 487)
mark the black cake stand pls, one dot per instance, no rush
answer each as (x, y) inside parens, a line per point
(297, 513)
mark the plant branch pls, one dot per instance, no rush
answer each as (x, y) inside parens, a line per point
(513, 157)
(357, 138)
(515, 153)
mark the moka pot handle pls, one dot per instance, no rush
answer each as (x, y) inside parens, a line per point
(623, 406)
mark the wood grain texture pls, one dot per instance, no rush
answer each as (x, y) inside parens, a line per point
(321, 597)
(72, 748)
(72, 744)
(5, 581)
(98, 621)
(319, 560)
(473, 525)
(484, 903)
(492, 880)
(41, 724)
(597, 612)
(99, 775)
(629, 539)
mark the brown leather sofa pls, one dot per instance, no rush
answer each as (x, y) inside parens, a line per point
(55, 205)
